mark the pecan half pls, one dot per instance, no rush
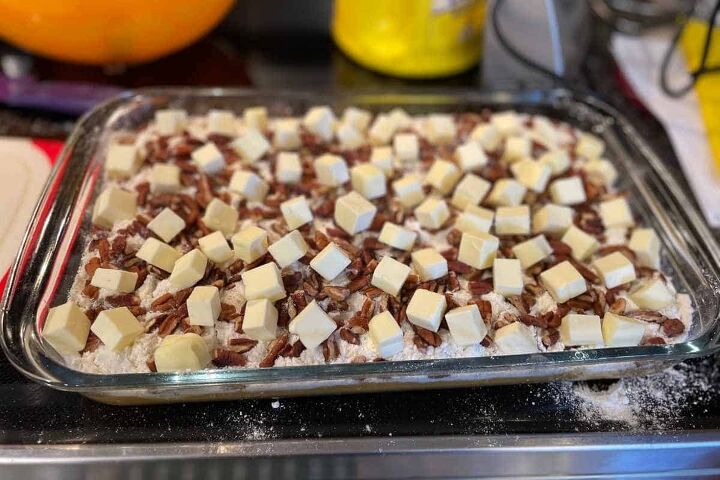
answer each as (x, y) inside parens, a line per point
(274, 350)
(330, 350)
(672, 327)
(227, 358)
(348, 336)
(242, 345)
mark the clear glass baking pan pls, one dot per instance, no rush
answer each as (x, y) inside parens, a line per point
(50, 256)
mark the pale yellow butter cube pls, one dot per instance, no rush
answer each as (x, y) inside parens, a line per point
(208, 158)
(615, 269)
(478, 249)
(114, 280)
(589, 146)
(397, 236)
(390, 275)
(470, 191)
(220, 216)
(221, 122)
(289, 249)
(368, 180)
(113, 205)
(167, 224)
(256, 117)
(470, 157)
(516, 339)
(621, 331)
(264, 282)
(296, 212)
(426, 309)
(249, 185)
(559, 161)
(358, 118)
(385, 335)
(66, 328)
(122, 161)
(429, 264)
(330, 262)
(601, 172)
(533, 174)
(652, 294)
(331, 170)
(532, 251)
(544, 131)
(443, 176)
(563, 282)
(487, 136)
(250, 243)
(507, 123)
(616, 213)
(568, 191)
(646, 245)
(184, 352)
(553, 218)
(440, 129)
(581, 244)
(287, 134)
(382, 157)
(475, 220)
(517, 148)
(170, 121)
(466, 325)
(203, 306)
(158, 254)
(188, 270)
(408, 190)
(578, 330)
(400, 118)
(260, 320)
(407, 148)
(251, 146)
(215, 247)
(506, 192)
(432, 213)
(353, 213)
(381, 130)
(165, 178)
(507, 277)
(320, 121)
(512, 220)
(312, 325)
(349, 137)
(288, 168)
(117, 328)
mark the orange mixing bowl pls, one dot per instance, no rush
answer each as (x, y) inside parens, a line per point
(107, 31)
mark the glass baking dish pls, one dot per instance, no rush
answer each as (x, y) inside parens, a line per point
(50, 256)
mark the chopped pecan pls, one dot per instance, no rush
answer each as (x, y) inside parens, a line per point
(358, 359)
(242, 345)
(326, 208)
(336, 293)
(480, 287)
(227, 358)
(672, 327)
(550, 337)
(428, 337)
(618, 306)
(372, 243)
(291, 280)
(372, 292)
(452, 281)
(92, 343)
(298, 298)
(533, 320)
(337, 233)
(274, 350)
(104, 250)
(151, 365)
(560, 248)
(92, 265)
(360, 282)
(330, 350)
(350, 337)
(454, 236)
(162, 299)
(655, 341)
(647, 316)
(123, 300)
(518, 302)
(458, 267)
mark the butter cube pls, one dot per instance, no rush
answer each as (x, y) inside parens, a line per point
(312, 325)
(158, 254)
(203, 306)
(407, 148)
(408, 190)
(652, 294)
(249, 185)
(512, 220)
(581, 244)
(515, 339)
(320, 121)
(289, 249)
(507, 277)
(601, 171)
(250, 146)
(330, 262)
(166, 225)
(331, 170)
(349, 137)
(165, 178)
(478, 249)
(66, 328)
(353, 213)
(470, 191)
(544, 131)
(390, 275)
(264, 282)
(563, 282)
(646, 245)
(507, 123)
(296, 212)
(382, 157)
(534, 175)
(553, 218)
(215, 247)
(400, 118)
(385, 335)
(397, 236)
(117, 328)
(621, 331)
(220, 216)
(532, 251)
(466, 325)
(559, 161)
(429, 264)
(122, 161)
(432, 213)
(114, 280)
(381, 130)
(188, 270)
(426, 309)
(368, 180)
(113, 205)
(208, 159)
(250, 243)
(256, 117)
(589, 146)
(287, 134)
(616, 213)
(475, 220)
(470, 157)
(487, 136)
(260, 320)
(568, 191)
(615, 269)
(517, 148)
(580, 330)
(288, 168)
(358, 118)
(506, 193)
(440, 129)
(443, 176)
(177, 353)
(170, 121)
(221, 122)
